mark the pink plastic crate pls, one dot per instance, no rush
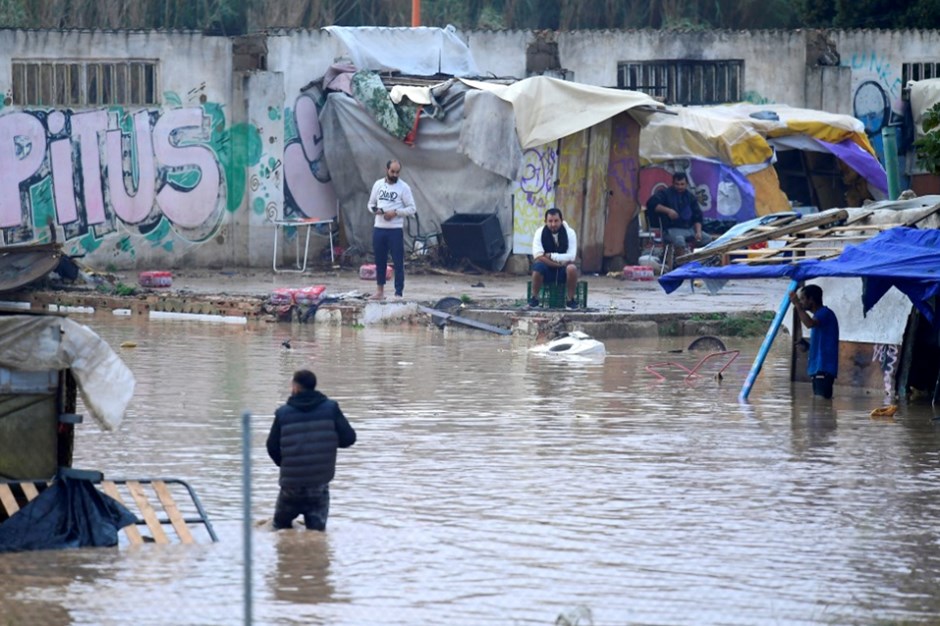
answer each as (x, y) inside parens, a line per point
(367, 272)
(638, 272)
(155, 279)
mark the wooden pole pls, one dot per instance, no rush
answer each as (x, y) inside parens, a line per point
(415, 13)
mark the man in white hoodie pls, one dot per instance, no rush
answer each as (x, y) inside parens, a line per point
(391, 202)
(554, 250)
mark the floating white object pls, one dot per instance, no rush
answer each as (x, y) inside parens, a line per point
(198, 317)
(574, 343)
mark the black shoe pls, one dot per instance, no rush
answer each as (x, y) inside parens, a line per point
(533, 303)
(573, 304)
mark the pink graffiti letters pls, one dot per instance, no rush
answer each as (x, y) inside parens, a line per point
(99, 172)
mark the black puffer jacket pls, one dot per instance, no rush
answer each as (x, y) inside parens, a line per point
(304, 438)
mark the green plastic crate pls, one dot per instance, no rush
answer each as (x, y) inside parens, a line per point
(553, 295)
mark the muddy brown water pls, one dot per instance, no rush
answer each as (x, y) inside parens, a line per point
(494, 486)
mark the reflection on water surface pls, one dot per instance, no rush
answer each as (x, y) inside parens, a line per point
(492, 486)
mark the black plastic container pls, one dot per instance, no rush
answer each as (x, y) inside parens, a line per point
(474, 236)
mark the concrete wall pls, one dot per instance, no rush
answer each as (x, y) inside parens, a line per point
(199, 178)
(125, 187)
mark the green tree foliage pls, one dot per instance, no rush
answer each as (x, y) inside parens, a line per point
(928, 146)
(239, 16)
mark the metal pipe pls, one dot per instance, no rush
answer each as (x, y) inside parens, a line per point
(889, 144)
(246, 513)
(416, 13)
(768, 341)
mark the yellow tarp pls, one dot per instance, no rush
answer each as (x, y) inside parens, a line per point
(731, 135)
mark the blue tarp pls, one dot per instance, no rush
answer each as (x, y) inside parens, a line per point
(902, 257)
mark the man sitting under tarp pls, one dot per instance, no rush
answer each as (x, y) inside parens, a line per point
(679, 213)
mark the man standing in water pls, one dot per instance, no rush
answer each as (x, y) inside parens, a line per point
(304, 438)
(391, 202)
(823, 367)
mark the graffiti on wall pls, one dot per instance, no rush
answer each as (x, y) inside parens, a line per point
(876, 93)
(309, 190)
(158, 175)
(532, 194)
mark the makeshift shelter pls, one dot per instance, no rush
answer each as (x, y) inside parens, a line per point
(746, 160)
(466, 145)
(46, 362)
(870, 256)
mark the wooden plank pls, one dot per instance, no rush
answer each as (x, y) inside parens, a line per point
(7, 499)
(147, 512)
(747, 240)
(572, 170)
(623, 171)
(591, 237)
(133, 535)
(29, 490)
(169, 505)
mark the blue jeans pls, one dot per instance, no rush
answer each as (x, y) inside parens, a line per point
(552, 275)
(385, 240)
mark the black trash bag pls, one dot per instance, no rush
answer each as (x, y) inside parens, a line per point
(69, 514)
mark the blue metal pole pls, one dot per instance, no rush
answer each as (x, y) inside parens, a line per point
(768, 341)
(246, 512)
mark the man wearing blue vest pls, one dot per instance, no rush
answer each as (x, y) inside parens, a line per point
(304, 438)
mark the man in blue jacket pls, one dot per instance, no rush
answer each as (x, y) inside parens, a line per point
(823, 366)
(679, 213)
(304, 438)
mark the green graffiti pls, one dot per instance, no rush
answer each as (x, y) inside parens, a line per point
(257, 206)
(40, 198)
(125, 245)
(158, 234)
(185, 179)
(89, 243)
(290, 126)
(237, 149)
(172, 98)
(274, 113)
(168, 246)
(755, 98)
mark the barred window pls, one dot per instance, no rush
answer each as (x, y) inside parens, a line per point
(683, 81)
(84, 83)
(919, 71)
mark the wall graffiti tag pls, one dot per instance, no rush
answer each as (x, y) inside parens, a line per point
(532, 194)
(309, 190)
(91, 171)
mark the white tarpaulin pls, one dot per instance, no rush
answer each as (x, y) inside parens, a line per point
(421, 51)
(444, 179)
(547, 109)
(38, 343)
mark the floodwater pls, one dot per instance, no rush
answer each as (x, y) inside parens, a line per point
(494, 486)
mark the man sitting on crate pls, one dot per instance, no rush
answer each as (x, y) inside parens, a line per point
(554, 249)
